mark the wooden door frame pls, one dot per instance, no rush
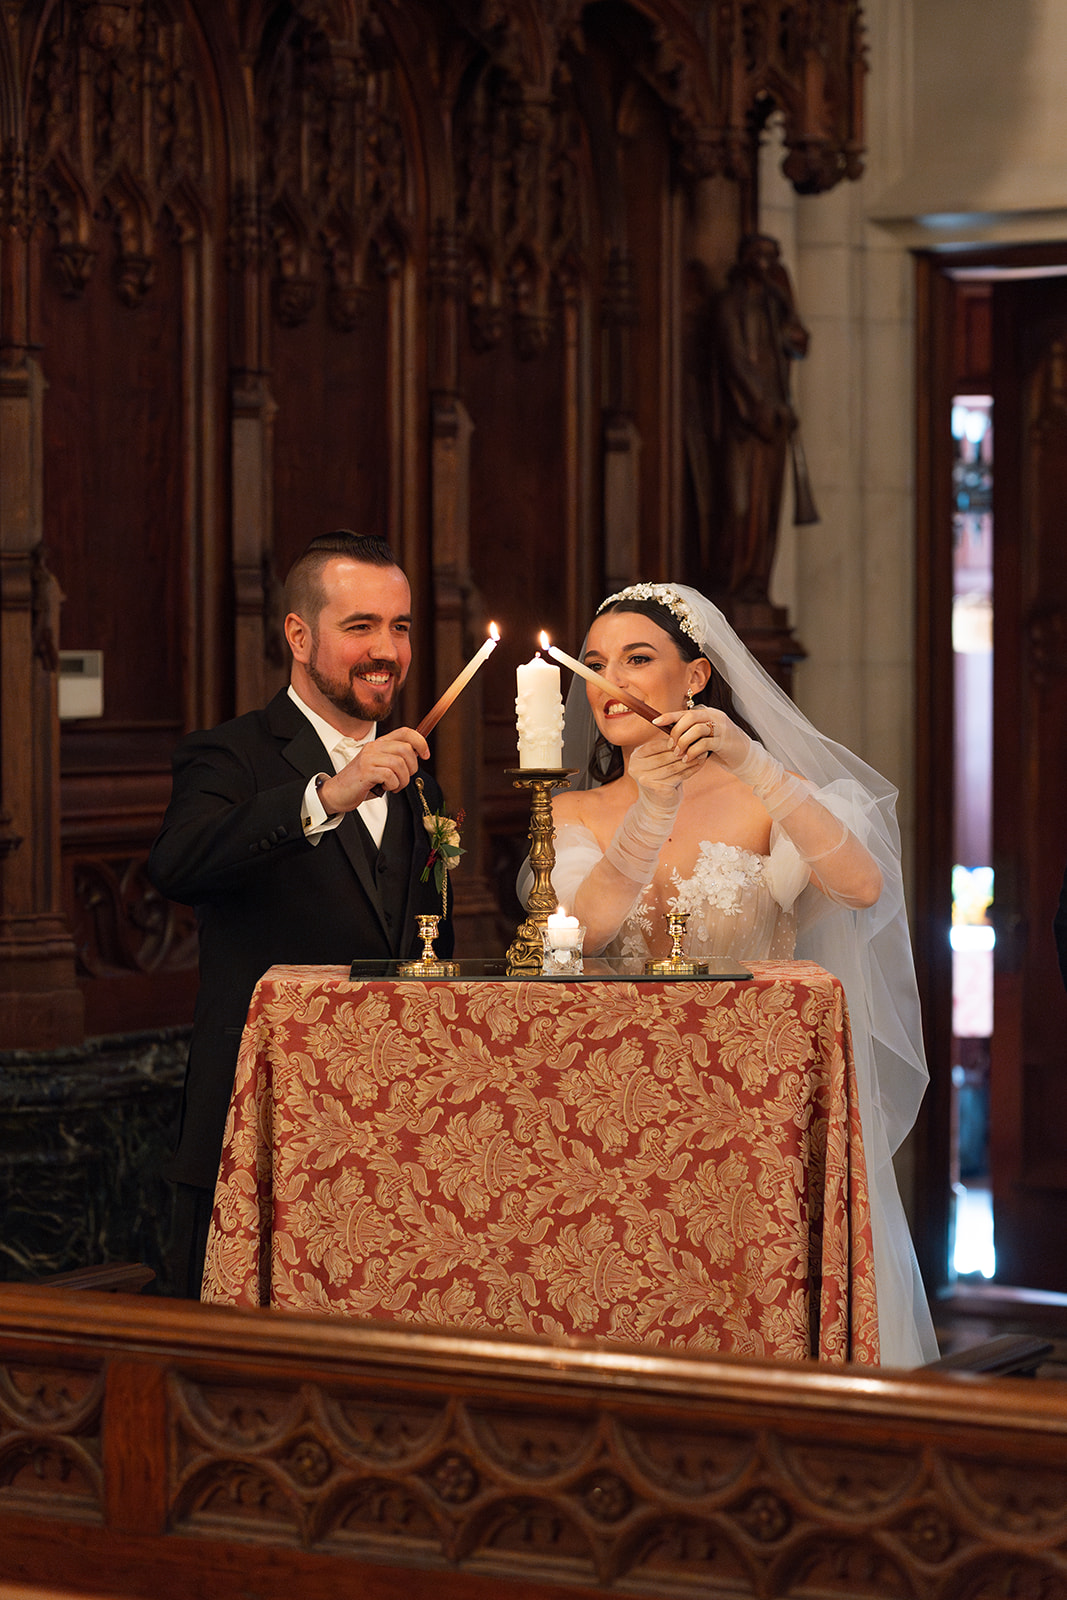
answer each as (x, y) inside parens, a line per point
(934, 762)
(931, 900)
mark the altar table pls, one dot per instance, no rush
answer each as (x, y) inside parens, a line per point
(669, 1163)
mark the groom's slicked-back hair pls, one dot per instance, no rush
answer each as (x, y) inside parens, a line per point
(304, 593)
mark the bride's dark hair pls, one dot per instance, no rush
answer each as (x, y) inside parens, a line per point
(606, 763)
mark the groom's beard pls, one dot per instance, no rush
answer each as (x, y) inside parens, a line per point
(353, 695)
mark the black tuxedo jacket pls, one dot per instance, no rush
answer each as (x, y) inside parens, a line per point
(232, 845)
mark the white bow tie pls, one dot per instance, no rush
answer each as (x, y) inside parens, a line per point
(375, 809)
(347, 747)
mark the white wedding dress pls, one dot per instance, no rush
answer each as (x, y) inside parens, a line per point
(747, 907)
(740, 905)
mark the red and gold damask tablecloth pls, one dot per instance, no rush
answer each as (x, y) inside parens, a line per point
(671, 1163)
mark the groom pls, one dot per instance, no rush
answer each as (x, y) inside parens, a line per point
(275, 835)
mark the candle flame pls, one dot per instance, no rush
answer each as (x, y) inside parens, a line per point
(494, 633)
(545, 640)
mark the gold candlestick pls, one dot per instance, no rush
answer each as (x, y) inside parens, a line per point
(676, 965)
(526, 952)
(428, 965)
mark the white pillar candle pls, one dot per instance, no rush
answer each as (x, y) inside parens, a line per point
(539, 712)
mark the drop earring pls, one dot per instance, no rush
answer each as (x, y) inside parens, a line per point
(689, 701)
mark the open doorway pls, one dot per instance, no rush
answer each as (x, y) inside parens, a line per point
(992, 770)
(972, 1250)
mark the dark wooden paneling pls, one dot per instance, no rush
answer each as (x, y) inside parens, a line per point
(114, 448)
(973, 338)
(1028, 1103)
(115, 451)
(645, 157)
(517, 516)
(331, 457)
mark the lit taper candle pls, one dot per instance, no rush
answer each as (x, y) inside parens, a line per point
(436, 712)
(598, 680)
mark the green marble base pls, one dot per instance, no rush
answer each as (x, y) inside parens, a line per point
(84, 1132)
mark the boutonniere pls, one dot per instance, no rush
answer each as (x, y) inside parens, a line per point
(445, 848)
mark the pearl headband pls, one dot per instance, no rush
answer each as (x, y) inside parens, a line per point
(664, 596)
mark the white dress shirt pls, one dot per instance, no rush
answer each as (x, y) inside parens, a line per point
(342, 748)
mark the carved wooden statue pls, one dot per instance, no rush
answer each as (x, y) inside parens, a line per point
(757, 333)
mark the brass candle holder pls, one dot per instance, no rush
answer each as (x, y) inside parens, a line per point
(526, 951)
(428, 964)
(676, 965)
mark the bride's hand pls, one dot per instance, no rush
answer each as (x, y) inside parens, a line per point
(658, 765)
(705, 732)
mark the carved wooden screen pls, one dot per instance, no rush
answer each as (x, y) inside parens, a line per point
(567, 199)
(121, 176)
(271, 266)
(332, 173)
(328, 386)
(529, 227)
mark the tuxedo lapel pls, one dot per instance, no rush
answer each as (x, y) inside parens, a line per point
(299, 743)
(409, 834)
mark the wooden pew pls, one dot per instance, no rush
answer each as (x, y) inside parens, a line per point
(163, 1450)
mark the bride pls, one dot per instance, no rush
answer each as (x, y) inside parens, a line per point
(734, 808)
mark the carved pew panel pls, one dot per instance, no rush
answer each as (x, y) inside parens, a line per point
(169, 1450)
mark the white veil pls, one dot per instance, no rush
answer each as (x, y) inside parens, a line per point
(869, 950)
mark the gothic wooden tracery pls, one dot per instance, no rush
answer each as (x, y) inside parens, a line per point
(333, 172)
(518, 184)
(806, 58)
(115, 129)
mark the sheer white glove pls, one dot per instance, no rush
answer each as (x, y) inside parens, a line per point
(702, 731)
(841, 867)
(642, 833)
(601, 886)
(779, 791)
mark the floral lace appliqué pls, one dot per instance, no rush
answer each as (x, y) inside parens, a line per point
(722, 884)
(723, 875)
(637, 929)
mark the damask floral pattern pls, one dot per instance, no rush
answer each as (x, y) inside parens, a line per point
(678, 1164)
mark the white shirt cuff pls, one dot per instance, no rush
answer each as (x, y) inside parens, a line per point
(313, 816)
